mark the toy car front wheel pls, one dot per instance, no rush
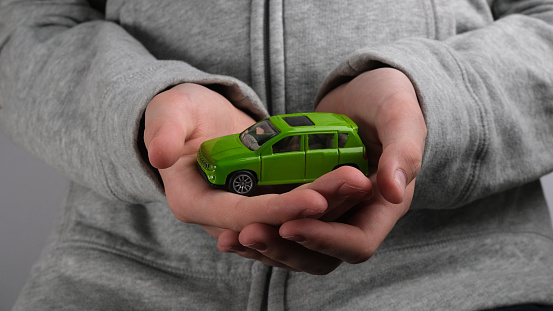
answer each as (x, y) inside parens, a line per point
(241, 182)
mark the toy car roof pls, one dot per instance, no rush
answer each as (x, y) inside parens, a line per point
(312, 122)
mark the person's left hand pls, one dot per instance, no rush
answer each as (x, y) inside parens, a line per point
(384, 104)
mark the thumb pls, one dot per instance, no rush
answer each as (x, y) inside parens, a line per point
(398, 121)
(164, 132)
(397, 168)
(164, 141)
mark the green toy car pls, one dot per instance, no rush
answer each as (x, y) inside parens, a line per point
(284, 149)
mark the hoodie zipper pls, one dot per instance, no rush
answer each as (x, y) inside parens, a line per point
(267, 55)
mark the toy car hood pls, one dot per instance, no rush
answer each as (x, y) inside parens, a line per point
(223, 147)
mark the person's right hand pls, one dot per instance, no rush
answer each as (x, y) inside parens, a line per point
(178, 120)
(384, 104)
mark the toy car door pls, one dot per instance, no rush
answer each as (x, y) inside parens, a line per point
(284, 162)
(321, 155)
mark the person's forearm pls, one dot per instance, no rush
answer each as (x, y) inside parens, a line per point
(486, 97)
(74, 89)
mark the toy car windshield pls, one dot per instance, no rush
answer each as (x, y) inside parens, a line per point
(258, 134)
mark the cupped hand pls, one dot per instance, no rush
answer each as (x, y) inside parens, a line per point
(177, 121)
(384, 105)
(318, 246)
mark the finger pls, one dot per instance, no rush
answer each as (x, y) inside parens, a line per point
(403, 135)
(354, 241)
(235, 211)
(328, 238)
(228, 243)
(266, 240)
(165, 129)
(342, 188)
(384, 104)
(164, 141)
(397, 121)
(213, 231)
(222, 209)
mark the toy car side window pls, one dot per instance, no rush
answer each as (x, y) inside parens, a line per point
(342, 139)
(321, 141)
(287, 144)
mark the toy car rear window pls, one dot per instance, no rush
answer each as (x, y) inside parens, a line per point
(298, 121)
(342, 139)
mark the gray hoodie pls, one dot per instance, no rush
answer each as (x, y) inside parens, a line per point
(75, 80)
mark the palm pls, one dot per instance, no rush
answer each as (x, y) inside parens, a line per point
(177, 122)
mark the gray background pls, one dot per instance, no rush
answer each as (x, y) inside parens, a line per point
(30, 195)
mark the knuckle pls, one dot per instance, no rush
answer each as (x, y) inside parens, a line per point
(413, 151)
(183, 218)
(362, 256)
(412, 157)
(178, 213)
(250, 254)
(178, 98)
(277, 256)
(346, 170)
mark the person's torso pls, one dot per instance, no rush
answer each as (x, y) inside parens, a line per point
(285, 49)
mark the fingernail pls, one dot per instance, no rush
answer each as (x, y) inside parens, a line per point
(258, 246)
(309, 213)
(295, 238)
(236, 249)
(347, 190)
(401, 181)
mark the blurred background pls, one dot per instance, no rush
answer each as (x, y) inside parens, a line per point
(30, 195)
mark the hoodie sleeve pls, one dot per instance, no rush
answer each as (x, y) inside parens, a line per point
(487, 98)
(73, 90)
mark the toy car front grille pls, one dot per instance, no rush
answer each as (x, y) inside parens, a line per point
(202, 161)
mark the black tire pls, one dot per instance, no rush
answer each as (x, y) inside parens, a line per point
(242, 182)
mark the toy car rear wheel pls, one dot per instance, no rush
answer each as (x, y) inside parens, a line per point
(242, 182)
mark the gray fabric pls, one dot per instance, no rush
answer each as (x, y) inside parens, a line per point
(75, 83)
